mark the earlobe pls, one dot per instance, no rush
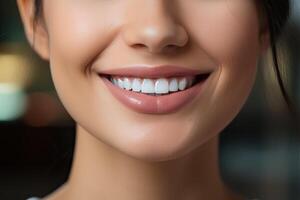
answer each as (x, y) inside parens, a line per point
(35, 31)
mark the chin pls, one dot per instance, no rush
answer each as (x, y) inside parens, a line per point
(156, 153)
(158, 144)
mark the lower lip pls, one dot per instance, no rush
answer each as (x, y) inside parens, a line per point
(148, 104)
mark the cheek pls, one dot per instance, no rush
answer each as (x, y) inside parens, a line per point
(230, 36)
(226, 31)
(76, 38)
(78, 35)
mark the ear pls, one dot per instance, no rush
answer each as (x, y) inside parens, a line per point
(36, 33)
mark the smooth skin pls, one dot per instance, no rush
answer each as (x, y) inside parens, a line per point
(122, 154)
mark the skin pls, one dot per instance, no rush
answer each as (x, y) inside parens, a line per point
(122, 154)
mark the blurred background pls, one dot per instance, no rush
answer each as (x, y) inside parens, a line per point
(260, 150)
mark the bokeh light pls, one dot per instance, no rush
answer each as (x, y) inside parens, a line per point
(42, 110)
(15, 75)
(12, 102)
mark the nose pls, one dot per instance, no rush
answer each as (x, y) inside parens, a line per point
(153, 28)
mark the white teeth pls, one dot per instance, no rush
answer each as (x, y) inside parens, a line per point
(136, 85)
(127, 84)
(148, 86)
(173, 87)
(162, 86)
(114, 80)
(182, 84)
(120, 83)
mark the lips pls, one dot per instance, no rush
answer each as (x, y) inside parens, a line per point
(149, 103)
(154, 72)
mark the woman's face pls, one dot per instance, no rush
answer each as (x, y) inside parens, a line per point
(85, 37)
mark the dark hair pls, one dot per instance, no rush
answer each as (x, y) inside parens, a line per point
(276, 13)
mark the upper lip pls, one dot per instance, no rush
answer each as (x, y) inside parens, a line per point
(154, 71)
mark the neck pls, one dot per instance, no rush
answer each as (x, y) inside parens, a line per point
(102, 172)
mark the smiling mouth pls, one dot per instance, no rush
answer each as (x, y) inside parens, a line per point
(155, 90)
(155, 86)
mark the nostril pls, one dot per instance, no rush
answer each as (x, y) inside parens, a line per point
(171, 48)
(139, 46)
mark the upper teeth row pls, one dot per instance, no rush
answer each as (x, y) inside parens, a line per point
(155, 86)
